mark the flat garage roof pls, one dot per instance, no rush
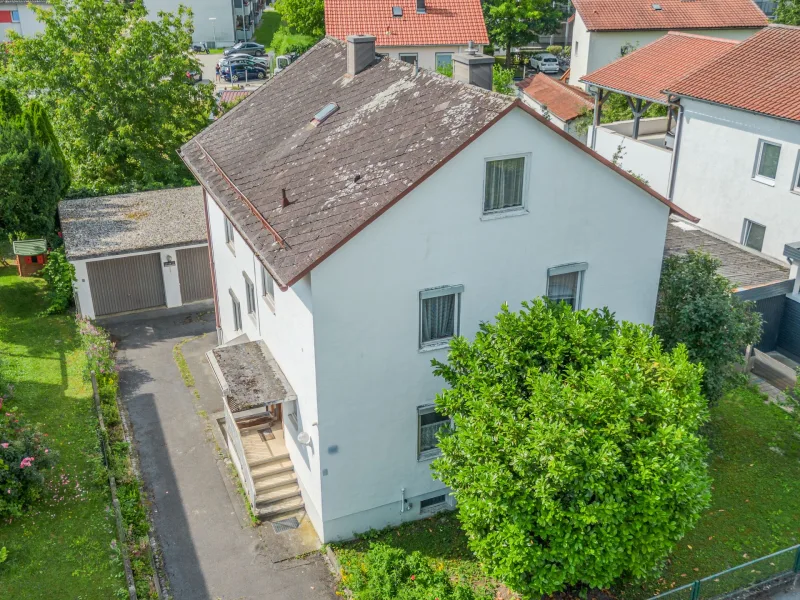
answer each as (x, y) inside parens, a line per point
(138, 222)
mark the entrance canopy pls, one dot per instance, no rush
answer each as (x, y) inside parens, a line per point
(249, 376)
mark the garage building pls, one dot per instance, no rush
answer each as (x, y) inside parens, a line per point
(137, 251)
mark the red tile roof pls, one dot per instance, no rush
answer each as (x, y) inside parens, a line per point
(562, 100)
(445, 22)
(231, 95)
(626, 15)
(761, 74)
(645, 72)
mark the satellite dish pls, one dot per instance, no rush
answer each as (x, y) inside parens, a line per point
(304, 438)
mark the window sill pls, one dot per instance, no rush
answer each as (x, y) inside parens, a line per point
(231, 248)
(502, 214)
(429, 455)
(764, 180)
(253, 317)
(436, 346)
(270, 303)
(796, 191)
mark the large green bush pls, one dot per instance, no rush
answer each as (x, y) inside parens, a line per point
(284, 42)
(391, 573)
(697, 308)
(59, 275)
(575, 456)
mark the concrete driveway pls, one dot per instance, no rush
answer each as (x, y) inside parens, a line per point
(210, 549)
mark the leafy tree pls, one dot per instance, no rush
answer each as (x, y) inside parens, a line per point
(518, 22)
(284, 41)
(575, 455)
(306, 17)
(502, 80)
(788, 12)
(33, 175)
(697, 308)
(114, 84)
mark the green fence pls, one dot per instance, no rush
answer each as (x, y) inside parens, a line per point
(766, 571)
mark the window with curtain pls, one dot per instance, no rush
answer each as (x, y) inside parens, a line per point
(564, 284)
(767, 162)
(429, 422)
(439, 315)
(505, 183)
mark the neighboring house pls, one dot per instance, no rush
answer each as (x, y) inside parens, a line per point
(19, 17)
(145, 250)
(566, 106)
(739, 141)
(222, 21)
(645, 145)
(604, 30)
(423, 32)
(361, 213)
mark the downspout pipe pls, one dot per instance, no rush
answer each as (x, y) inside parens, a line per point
(213, 269)
(673, 165)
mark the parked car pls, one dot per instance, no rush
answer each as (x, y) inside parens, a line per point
(246, 48)
(244, 71)
(200, 47)
(284, 60)
(243, 58)
(194, 77)
(545, 62)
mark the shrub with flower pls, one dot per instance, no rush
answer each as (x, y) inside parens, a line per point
(24, 458)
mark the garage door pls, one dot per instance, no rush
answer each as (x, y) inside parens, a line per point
(126, 283)
(194, 274)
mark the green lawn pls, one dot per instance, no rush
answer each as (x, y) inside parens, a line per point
(755, 464)
(270, 21)
(63, 548)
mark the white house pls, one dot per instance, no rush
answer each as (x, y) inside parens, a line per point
(19, 17)
(566, 106)
(223, 22)
(604, 30)
(423, 32)
(146, 250)
(361, 213)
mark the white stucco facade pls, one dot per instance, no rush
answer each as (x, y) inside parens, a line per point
(26, 23)
(203, 10)
(594, 49)
(715, 175)
(426, 55)
(566, 126)
(347, 335)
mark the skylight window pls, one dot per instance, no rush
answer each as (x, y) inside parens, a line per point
(656, 7)
(326, 112)
(397, 11)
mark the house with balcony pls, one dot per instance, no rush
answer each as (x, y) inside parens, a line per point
(388, 210)
(426, 33)
(728, 149)
(605, 30)
(645, 145)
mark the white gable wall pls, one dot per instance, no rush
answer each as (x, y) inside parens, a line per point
(426, 55)
(289, 333)
(372, 376)
(714, 178)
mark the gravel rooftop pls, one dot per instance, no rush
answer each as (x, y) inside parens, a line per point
(744, 267)
(125, 223)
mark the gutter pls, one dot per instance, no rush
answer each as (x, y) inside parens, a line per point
(673, 165)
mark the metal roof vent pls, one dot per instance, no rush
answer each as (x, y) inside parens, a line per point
(421, 7)
(397, 11)
(656, 7)
(471, 49)
(324, 113)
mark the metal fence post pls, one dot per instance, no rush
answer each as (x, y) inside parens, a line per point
(797, 560)
(696, 590)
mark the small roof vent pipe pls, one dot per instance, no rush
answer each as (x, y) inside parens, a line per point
(284, 199)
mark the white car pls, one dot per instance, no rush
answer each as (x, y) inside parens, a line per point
(546, 63)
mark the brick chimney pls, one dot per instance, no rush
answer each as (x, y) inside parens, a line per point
(473, 67)
(360, 53)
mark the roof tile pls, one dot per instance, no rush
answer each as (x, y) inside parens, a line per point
(564, 101)
(444, 23)
(627, 15)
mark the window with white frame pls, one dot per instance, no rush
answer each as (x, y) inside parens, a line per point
(444, 60)
(228, 232)
(429, 422)
(796, 179)
(237, 312)
(505, 183)
(15, 16)
(290, 412)
(753, 235)
(409, 58)
(767, 159)
(565, 283)
(439, 316)
(268, 288)
(250, 293)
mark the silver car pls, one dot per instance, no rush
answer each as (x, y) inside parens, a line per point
(246, 48)
(545, 62)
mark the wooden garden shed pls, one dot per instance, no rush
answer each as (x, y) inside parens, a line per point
(31, 256)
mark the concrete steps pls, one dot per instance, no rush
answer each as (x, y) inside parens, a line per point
(276, 480)
(280, 508)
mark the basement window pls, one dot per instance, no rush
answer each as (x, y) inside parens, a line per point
(324, 113)
(434, 504)
(397, 11)
(753, 235)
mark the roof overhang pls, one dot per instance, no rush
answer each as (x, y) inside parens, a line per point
(731, 106)
(664, 101)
